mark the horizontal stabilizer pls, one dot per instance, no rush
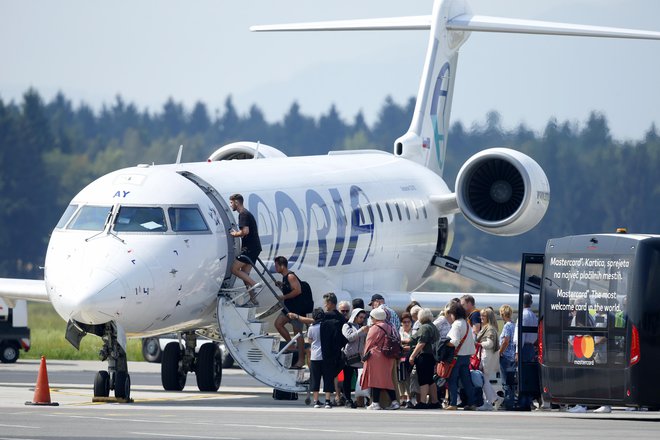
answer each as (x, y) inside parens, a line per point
(482, 23)
(465, 22)
(420, 22)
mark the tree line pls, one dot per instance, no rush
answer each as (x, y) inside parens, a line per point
(50, 150)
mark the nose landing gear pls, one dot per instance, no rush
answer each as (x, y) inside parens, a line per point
(117, 377)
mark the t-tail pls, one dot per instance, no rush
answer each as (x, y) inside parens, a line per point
(450, 26)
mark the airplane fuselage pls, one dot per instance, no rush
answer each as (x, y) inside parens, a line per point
(351, 223)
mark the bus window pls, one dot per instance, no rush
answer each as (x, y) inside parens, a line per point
(585, 302)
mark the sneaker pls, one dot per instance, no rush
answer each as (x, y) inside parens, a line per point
(451, 408)
(485, 407)
(409, 405)
(578, 409)
(328, 405)
(394, 405)
(436, 405)
(374, 406)
(605, 409)
(469, 408)
(421, 405)
(317, 404)
(497, 403)
(349, 403)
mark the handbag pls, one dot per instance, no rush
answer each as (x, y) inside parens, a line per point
(403, 371)
(475, 359)
(444, 368)
(353, 359)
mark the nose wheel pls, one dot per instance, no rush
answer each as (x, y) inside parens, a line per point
(117, 377)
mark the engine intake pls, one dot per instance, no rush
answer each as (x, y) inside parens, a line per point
(502, 191)
(245, 150)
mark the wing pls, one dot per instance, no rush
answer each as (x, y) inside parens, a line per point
(12, 289)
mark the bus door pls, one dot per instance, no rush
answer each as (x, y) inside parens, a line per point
(531, 274)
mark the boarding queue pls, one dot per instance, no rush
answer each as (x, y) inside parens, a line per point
(381, 360)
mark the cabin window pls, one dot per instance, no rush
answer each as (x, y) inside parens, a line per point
(68, 213)
(90, 218)
(398, 210)
(187, 220)
(140, 219)
(407, 209)
(389, 211)
(380, 213)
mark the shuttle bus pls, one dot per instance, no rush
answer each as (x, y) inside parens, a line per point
(598, 335)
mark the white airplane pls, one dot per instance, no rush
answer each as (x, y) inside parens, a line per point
(145, 250)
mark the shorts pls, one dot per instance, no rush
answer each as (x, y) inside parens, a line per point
(296, 323)
(252, 255)
(322, 370)
(425, 364)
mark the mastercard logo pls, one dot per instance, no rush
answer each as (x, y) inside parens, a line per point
(583, 346)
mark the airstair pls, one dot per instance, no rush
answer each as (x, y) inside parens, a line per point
(485, 272)
(257, 352)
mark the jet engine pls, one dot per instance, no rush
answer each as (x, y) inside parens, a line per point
(245, 150)
(502, 191)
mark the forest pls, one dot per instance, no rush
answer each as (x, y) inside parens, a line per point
(50, 150)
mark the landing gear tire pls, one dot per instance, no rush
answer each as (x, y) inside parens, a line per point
(172, 377)
(102, 384)
(122, 385)
(151, 350)
(227, 360)
(209, 367)
(8, 353)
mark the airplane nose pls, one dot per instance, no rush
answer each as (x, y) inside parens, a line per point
(95, 299)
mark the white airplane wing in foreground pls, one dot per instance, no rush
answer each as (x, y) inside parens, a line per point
(12, 289)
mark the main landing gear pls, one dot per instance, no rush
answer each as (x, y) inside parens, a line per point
(177, 362)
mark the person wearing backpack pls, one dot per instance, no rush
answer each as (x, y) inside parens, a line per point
(422, 345)
(291, 297)
(377, 372)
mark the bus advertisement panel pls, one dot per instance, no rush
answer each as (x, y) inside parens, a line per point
(591, 301)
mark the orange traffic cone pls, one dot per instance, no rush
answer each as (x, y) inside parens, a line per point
(42, 390)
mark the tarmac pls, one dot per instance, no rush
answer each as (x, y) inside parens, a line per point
(244, 409)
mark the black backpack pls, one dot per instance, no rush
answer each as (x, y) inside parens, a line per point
(306, 298)
(303, 303)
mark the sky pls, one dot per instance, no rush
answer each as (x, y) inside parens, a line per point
(148, 51)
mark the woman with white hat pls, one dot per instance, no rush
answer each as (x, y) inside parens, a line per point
(377, 373)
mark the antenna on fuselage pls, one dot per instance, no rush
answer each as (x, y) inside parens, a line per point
(178, 156)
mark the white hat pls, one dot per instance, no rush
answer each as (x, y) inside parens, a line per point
(378, 314)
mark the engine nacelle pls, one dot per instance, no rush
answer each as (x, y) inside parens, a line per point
(245, 150)
(502, 191)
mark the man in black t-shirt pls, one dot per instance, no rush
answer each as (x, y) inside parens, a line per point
(250, 245)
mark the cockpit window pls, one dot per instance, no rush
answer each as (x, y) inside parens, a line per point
(140, 219)
(90, 218)
(187, 220)
(68, 212)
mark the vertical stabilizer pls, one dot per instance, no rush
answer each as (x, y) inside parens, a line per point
(426, 139)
